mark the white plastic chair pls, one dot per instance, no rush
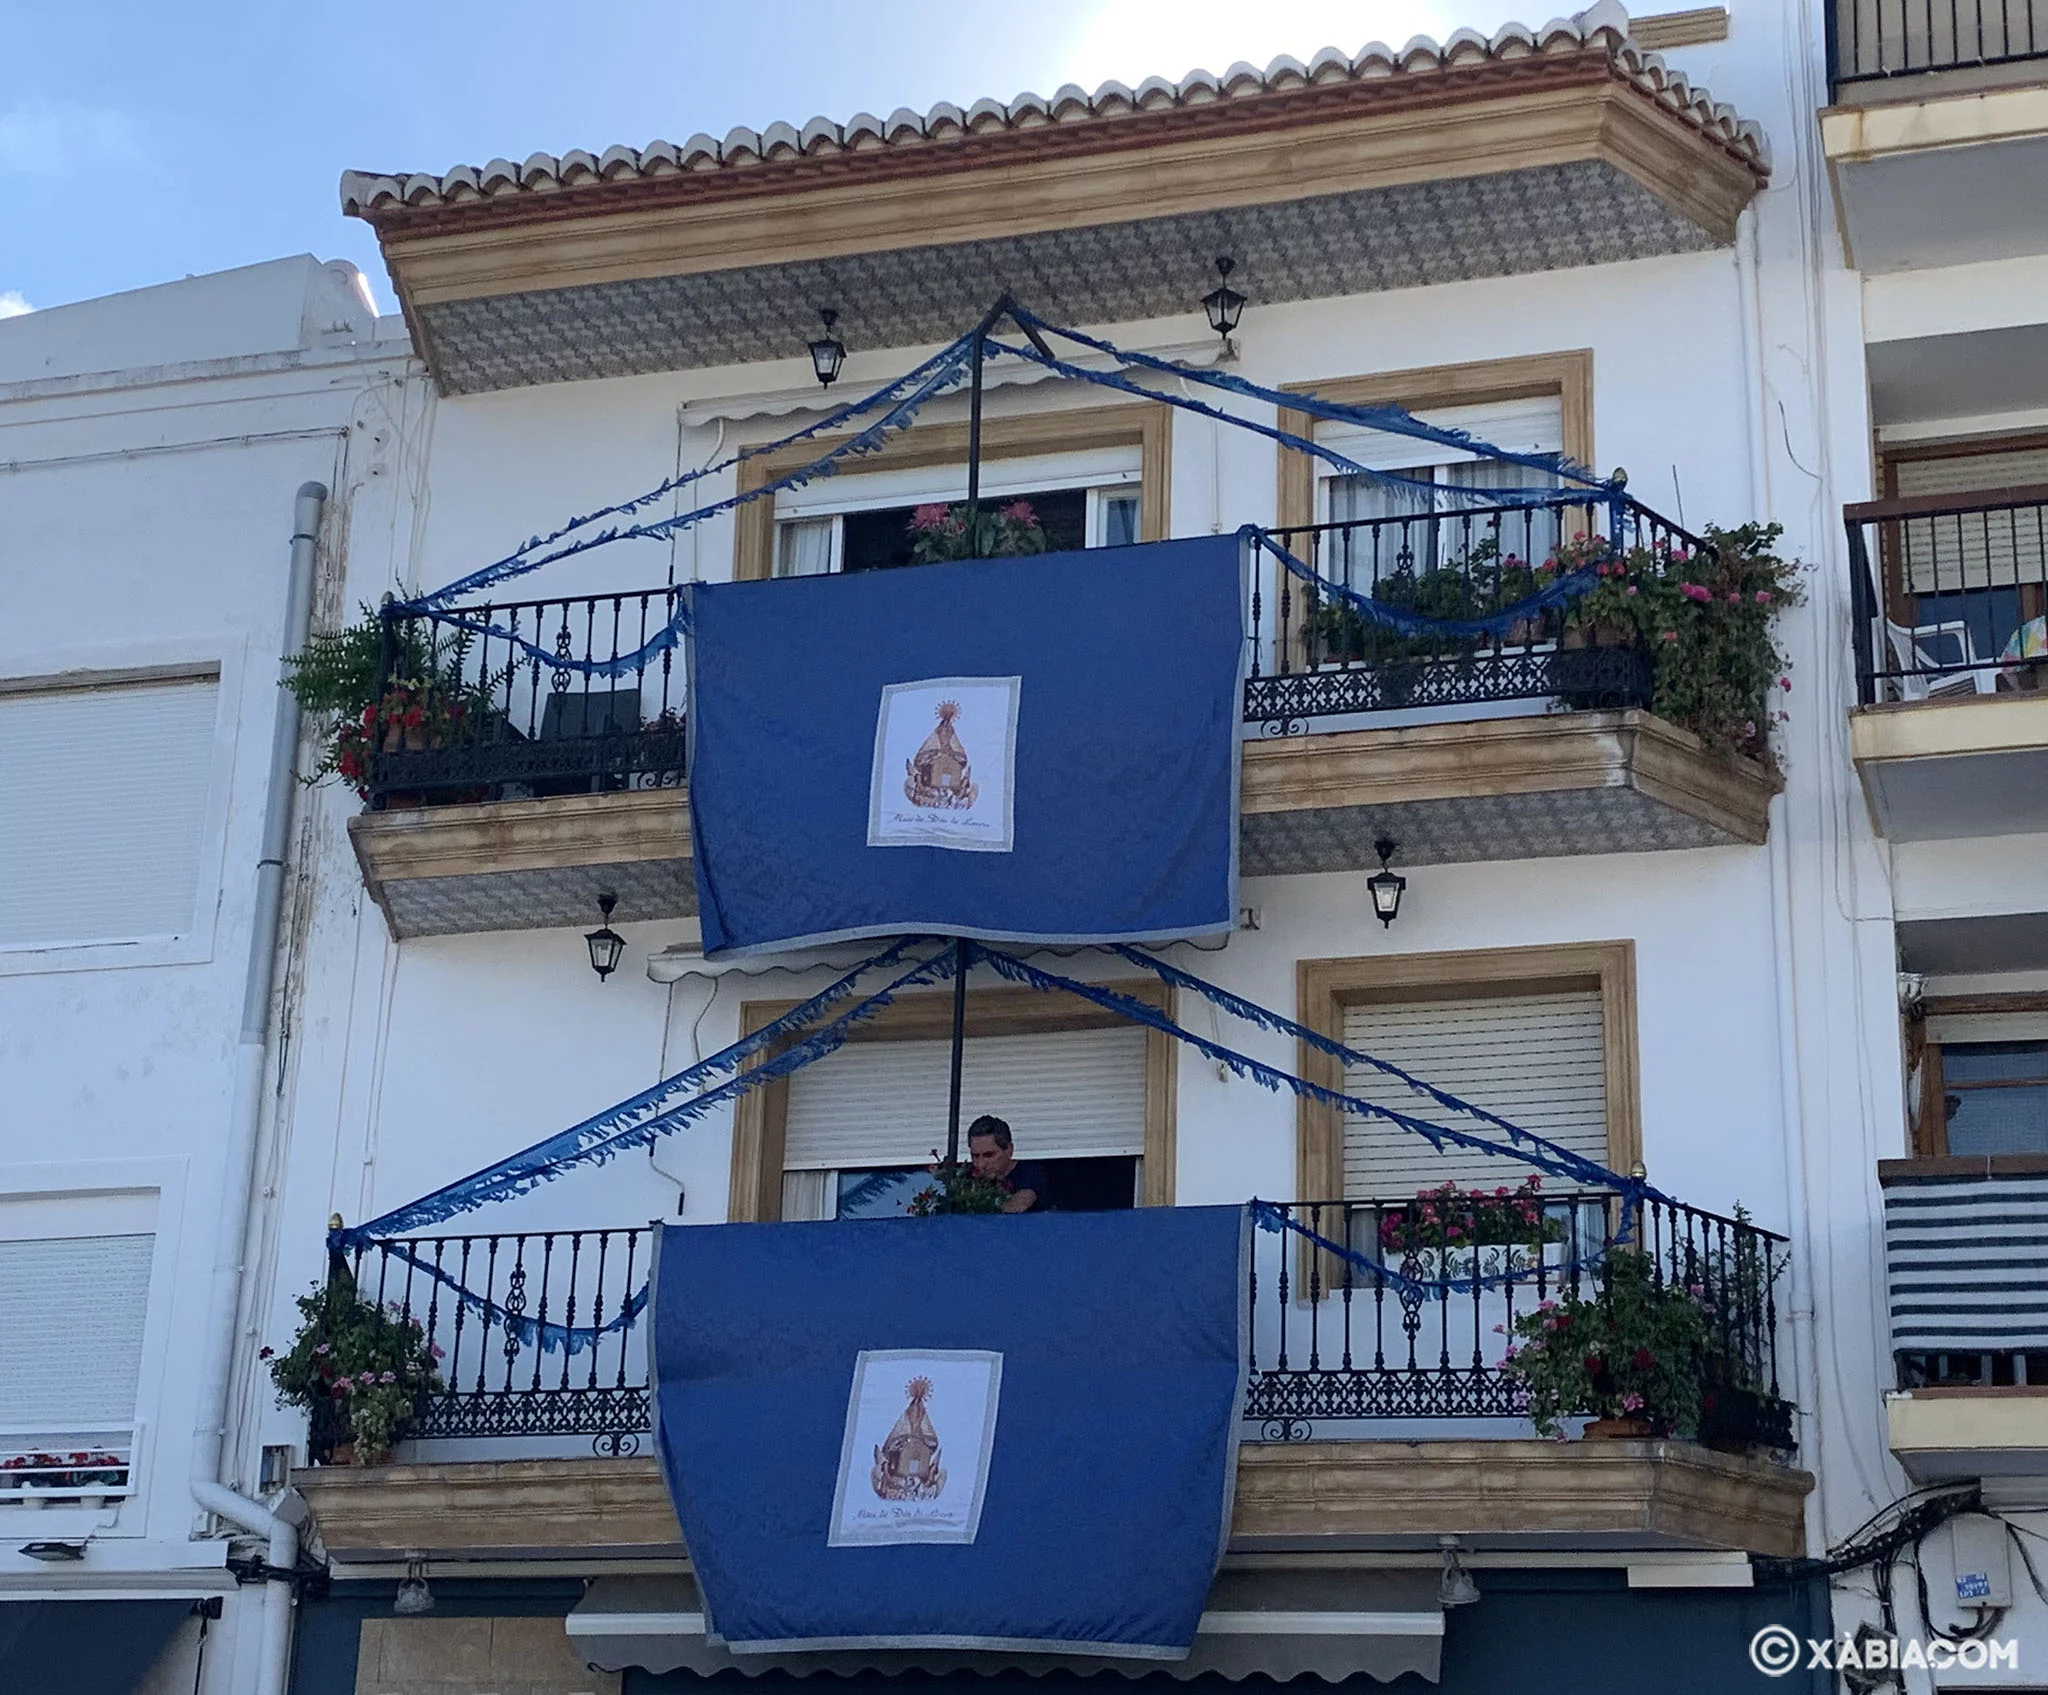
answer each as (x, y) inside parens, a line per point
(1919, 650)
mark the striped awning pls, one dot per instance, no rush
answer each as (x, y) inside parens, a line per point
(1967, 1259)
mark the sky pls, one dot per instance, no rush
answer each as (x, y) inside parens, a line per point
(141, 142)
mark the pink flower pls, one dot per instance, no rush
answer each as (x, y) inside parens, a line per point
(321, 1349)
(1733, 597)
(1631, 1402)
(1763, 597)
(1631, 588)
(342, 1385)
(1785, 683)
(1669, 636)
(1019, 512)
(437, 1351)
(1693, 591)
(387, 1377)
(932, 517)
(266, 1353)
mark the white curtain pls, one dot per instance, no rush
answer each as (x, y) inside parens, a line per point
(803, 547)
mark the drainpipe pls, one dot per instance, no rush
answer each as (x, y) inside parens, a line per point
(224, 1295)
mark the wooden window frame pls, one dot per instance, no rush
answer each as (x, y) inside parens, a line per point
(1324, 988)
(1567, 375)
(1929, 1128)
(761, 1116)
(1146, 425)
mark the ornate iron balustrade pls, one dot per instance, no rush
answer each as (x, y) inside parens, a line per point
(1950, 594)
(1333, 1342)
(1314, 655)
(497, 1379)
(470, 713)
(1874, 40)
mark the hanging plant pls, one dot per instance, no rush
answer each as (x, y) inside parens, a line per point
(367, 1366)
(955, 1187)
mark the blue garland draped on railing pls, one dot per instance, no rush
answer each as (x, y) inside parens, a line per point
(598, 1137)
(1267, 1216)
(1566, 589)
(942, 370)
(1390, 420)
(550, 1337)
(668, 637)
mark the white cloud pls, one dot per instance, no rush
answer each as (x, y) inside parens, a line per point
(12, 305)
(46, 137)
(1129, 40)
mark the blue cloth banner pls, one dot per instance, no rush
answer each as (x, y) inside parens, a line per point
(1040, 750)
(876, 1434)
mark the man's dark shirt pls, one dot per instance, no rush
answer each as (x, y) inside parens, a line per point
(1034, 1175)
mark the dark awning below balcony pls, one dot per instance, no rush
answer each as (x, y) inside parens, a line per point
(85, 1647)
(1325, 1624)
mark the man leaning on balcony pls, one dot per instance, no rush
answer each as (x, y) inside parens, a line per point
(1029, 1182)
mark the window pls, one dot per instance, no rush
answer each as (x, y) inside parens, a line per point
(1981, 1086)
(852, 1135)
(864, 1124)
(74, 1295)
(1538, 1060)
(862, 522)
(1364, 558)
(105, 815)
(1543, 1036)
(1970, 578)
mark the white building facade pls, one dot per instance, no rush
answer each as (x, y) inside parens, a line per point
(175, 461)
(1764, 983)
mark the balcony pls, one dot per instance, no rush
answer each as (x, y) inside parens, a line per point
(1380, 1418)
(548, 788)
(1966, 1252)
(1950, 596)
(1938, 136)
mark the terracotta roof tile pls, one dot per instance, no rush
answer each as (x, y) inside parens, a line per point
(1602, 30)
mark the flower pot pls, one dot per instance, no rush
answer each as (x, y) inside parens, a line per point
(33, 1496)
(1599, 1428)
(344, 1454)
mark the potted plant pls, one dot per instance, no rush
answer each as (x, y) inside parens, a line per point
(94, 1474)
(939, 533)
(369, 1366)
(956, 1188)
(1450, 1232)
(1630, 1354)
(34, 1479)
(427, 700)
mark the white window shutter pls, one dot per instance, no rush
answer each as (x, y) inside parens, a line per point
(71, 1323)
(105, 811)
(1539, 1061)
(1065, 1095)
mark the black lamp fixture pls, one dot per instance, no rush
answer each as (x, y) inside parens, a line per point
(1223, 303)
(1384, 885)
(828, 352)
(55, 1553)
(605, 944)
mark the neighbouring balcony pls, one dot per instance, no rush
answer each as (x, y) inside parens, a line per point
(1950, 595)
(1875, 43)
(525, 789)
(1380, 1416)
(1966, 1243)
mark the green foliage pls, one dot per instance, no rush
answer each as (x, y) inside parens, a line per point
(1448, 1217)
(1636, 1349)
(371, 1363)
(429, 699)
(939, 533)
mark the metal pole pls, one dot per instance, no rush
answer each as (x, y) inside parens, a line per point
(960, 960)
(974, 444)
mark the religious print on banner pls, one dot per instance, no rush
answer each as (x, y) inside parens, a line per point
(898, 1482)
(1039, 749)
(945, 765)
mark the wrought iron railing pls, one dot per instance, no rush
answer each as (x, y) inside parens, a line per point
(1870, 41)
(1334, 1343)
(1950, 594)
(468, 711)
(1315, 654)
(548, 1341)
(1331, 1343)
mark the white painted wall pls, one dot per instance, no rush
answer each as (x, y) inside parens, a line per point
(151, 445)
